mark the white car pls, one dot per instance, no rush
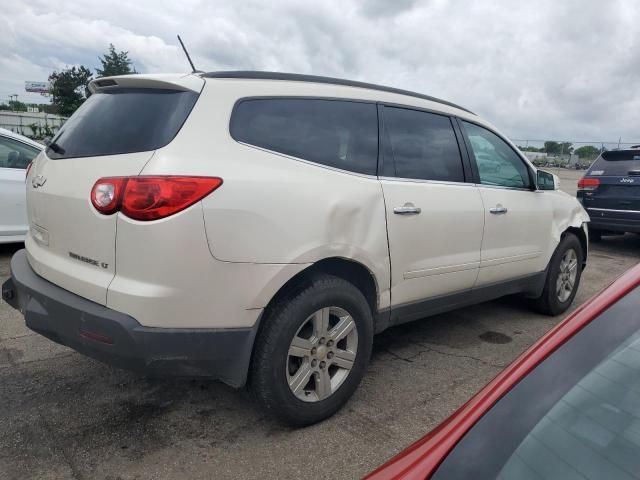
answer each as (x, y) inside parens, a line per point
(16, 152)
(261, 227)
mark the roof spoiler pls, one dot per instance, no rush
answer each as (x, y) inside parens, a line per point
(182, 82)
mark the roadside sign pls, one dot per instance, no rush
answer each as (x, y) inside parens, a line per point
(36, 87)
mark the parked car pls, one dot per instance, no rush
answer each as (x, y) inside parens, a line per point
(566, 408)
(16, 152)
(610, 192)
(263, 235)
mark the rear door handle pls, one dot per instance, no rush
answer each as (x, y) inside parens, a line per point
(407, 209)
(498, 210)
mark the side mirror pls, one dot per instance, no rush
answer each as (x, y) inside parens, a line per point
(547, 181)
(47, 141)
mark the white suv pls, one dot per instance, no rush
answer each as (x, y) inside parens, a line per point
(261, 227)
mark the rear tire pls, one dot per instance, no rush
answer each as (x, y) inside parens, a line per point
(312, 351)
(562, 282)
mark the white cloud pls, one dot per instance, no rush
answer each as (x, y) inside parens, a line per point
(542, 68)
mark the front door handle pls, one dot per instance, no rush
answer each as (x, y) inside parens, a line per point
(407, 209)
(498, 210)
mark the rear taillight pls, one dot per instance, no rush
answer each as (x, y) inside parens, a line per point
(106, 194)
(150, 197)
(588, 184)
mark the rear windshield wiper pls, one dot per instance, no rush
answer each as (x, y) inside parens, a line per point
(56, 148)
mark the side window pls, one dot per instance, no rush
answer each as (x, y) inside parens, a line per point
(336, 133)
(424, 145)
(497, 163)
(15, 154)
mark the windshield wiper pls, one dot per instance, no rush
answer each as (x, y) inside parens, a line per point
(56, 148)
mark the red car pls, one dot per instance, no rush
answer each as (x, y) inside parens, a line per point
(568, 408)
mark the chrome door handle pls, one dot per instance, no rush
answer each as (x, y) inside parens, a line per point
(407, 209)
(498, 210)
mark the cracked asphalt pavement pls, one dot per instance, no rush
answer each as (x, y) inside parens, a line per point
(64, 416)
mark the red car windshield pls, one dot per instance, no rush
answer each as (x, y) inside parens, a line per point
(577, 415)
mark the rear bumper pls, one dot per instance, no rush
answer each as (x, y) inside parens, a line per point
(118, 339)
(614, 220)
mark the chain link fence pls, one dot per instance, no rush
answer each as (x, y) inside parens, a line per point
(28, 119)
(567, 153)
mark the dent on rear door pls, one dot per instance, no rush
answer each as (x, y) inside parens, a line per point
(296, 213)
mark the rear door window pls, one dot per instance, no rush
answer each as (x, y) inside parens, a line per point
(617, 163)
(14, 154)
(423, 145)
(340, 134)
(121, 121)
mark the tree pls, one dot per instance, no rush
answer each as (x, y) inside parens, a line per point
(49, 108)
(530, 149)
(69, 88)
(14, 106)
(115, 63)
(587, 151)
(556, 148)
(551, 147)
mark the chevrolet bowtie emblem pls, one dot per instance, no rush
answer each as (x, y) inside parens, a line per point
(38, 181)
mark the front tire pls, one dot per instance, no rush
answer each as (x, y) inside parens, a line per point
(563, 277)
(312, 351)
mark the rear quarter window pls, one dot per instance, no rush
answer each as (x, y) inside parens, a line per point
(616, 163)
(335, 133)
(121, 121)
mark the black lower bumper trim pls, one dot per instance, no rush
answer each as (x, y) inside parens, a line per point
(614, 220)
(614, 225)
(118, 339)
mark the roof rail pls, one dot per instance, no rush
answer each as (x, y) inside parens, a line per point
(296, 77)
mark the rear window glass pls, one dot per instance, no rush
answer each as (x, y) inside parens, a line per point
(340, 134)
(617, 163)
(123, 121)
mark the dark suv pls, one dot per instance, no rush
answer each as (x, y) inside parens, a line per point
(610, 192)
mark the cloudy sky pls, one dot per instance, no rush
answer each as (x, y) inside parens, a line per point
(537, 69)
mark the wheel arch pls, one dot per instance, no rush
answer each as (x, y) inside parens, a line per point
(584, 241)
(350, 270)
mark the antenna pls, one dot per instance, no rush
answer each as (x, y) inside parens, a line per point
(187, 54)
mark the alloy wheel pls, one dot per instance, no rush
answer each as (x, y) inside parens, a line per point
(322, 354)
(565, 283)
